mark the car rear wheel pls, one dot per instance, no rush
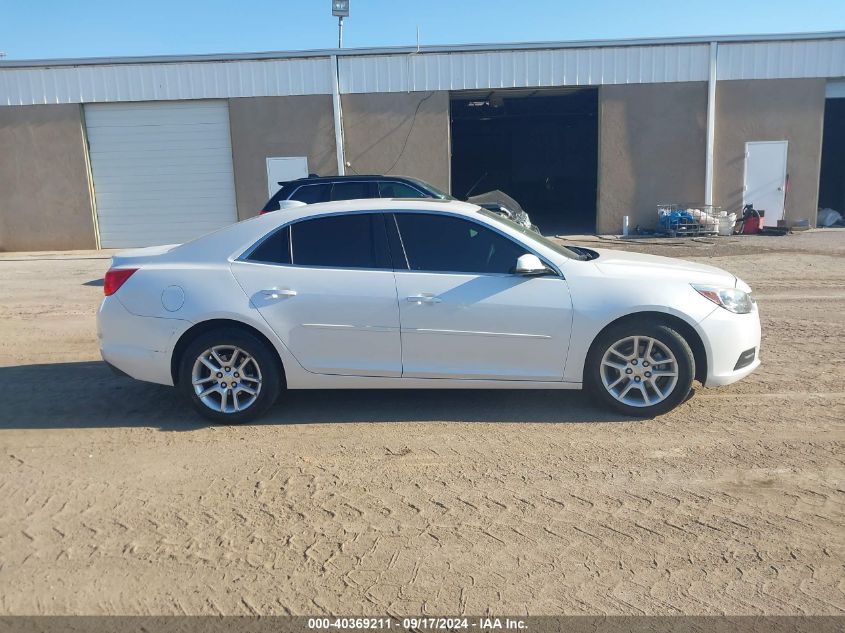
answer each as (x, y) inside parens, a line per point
(641, 370)
(229, 376)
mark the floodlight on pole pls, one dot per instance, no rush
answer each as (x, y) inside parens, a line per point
(340, 9)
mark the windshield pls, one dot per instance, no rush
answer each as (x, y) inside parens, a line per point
(440, 195)
(531, 235)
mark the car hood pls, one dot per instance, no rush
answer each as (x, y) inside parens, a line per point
(654, 267)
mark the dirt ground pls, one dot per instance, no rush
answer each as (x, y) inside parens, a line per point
(117, 499)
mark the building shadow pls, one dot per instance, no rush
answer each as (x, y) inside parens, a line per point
(90, 395)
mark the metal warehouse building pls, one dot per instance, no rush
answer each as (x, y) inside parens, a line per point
(138, 151)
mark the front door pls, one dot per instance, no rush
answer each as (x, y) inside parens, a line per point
(326, 287)
(465, 315)
(765, 178)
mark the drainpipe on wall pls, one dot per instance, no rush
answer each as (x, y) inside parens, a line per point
(711, 123)
(338, 117)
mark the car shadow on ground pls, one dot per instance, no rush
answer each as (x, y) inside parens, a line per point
(89, 395)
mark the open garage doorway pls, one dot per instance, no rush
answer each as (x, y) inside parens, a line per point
(832, 176)
(539, 146)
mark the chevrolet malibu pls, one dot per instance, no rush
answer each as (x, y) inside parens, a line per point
(418, 294)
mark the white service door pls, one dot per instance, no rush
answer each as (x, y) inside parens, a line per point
(765, 178)
(162, 170)
(281, 169)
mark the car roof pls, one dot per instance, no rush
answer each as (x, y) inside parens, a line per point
(433, 205)
(359, 177)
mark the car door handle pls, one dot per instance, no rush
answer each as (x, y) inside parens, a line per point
(424, 299)
(278, 293)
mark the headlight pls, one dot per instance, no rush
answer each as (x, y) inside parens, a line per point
(730, 299)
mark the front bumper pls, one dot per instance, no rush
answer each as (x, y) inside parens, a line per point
(727, 336)
(137, 346)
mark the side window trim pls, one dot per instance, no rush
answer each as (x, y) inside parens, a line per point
(496, 230)
(392, 227)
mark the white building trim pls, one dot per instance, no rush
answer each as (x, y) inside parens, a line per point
(163, 82)
(431, 68)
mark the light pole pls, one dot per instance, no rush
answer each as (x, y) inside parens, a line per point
(340, 9)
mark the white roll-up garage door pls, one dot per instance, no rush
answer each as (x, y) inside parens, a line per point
(162, 171)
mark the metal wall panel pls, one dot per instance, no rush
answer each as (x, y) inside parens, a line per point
(580, 65)
(521, 69)
(155, 82)
(782, 60)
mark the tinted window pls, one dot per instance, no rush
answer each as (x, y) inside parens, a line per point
(350, 190)
(388, 189)
(275, 249)
(312, 194)
(341, 241)
(448, 244)
(273, 203)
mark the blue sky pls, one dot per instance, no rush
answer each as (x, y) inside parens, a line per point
(89, 28)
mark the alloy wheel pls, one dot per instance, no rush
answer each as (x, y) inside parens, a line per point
(639, 371)
(226, 379)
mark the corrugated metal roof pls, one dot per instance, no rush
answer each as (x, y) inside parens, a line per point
(782, 60)
(481, 66)
(518, 69)
(154, 82)
(396, 50)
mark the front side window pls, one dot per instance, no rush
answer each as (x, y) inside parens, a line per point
(392, 189)
(340, 241)
(442, 243)
(312, 194)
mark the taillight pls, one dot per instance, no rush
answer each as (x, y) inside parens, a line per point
(263, 211)
(115, 278)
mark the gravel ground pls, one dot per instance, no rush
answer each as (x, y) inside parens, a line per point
(117, 499)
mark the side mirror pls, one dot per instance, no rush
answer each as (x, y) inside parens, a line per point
(530, 264)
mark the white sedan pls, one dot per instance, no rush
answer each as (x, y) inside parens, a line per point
(419, 294)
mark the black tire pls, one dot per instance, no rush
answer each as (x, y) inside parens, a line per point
(676, 343)
(265, 359)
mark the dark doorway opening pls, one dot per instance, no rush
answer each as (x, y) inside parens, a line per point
(538, 146)
(832, 175)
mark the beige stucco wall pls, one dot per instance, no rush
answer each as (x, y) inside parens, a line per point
(652, 146)
(770, 110)
(263, 127)
(45, 197)
(377, 125)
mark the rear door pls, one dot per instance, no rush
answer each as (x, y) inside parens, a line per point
(326, 287)
(464, 314)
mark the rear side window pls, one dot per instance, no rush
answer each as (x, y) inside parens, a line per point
(351, 190)
(275, 249)
(341, 241)
(388, 189)
(442, 243)
(273, 203)
(312, 194)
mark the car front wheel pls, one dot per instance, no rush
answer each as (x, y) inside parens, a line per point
(229, 376)
(641, 370)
